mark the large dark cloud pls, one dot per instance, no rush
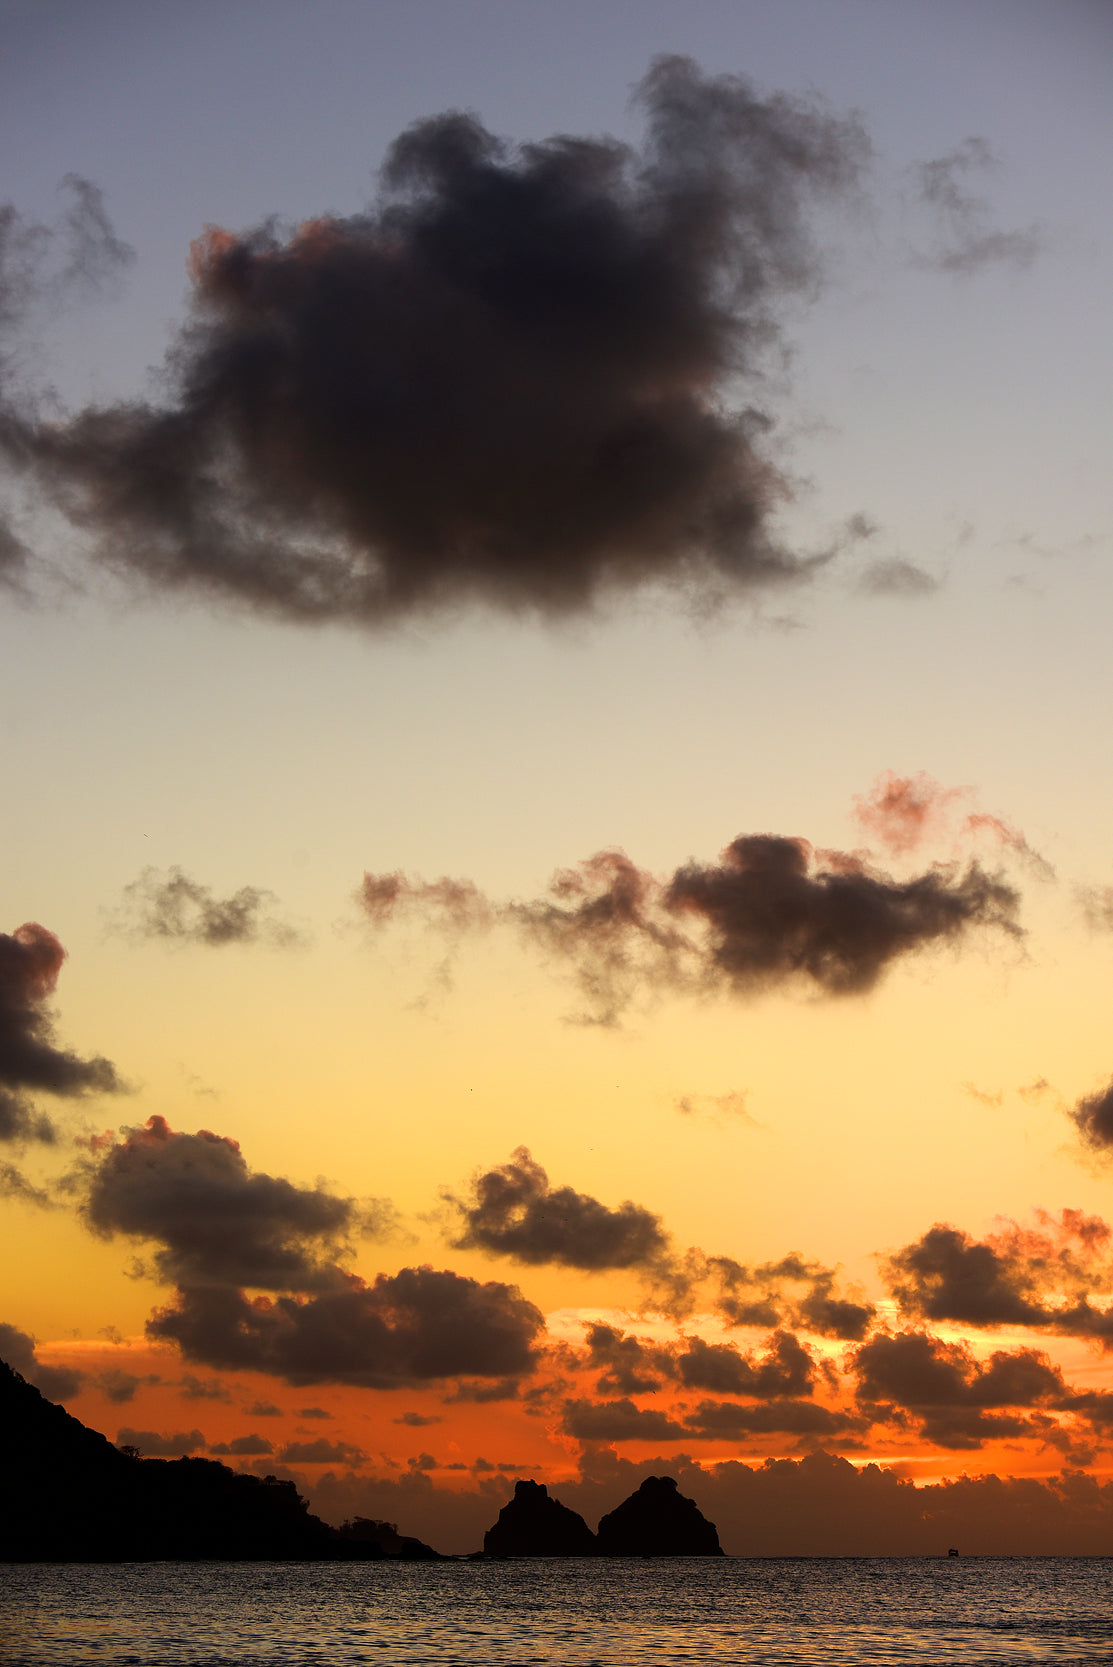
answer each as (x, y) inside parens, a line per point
(176, 907)
(30, 961)
(514, 1211)
(215, 1221)
(954, 1396)
(771, 912)
(914, 1369)
(404, 1329)
(1040, 1277)
(522, 376)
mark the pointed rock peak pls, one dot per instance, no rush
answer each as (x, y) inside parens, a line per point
(533, 1525)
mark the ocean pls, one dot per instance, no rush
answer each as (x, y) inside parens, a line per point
(554, 1612)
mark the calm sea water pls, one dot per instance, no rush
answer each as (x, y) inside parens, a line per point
(551, 1612)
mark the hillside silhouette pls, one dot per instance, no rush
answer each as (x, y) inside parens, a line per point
(71, 1496)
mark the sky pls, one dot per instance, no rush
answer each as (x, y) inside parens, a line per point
(555, 570)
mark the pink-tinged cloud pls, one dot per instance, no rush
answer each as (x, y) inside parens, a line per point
(903, 814)
(1042, 1277)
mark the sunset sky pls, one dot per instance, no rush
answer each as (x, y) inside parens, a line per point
(556, 594)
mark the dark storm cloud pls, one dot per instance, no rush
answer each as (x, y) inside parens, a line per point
(771, 913)
(514, 1211)
(405, 1329)
(30, 961)
(521, 377)
(1039, 1277)
(178, 908)
(965, 238)
(215, 1221)
(1093, 1118)
(57, 1383)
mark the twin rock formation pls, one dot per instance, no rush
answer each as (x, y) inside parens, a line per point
(656, 1521)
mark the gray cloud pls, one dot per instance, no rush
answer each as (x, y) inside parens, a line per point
(952, 1394)
(772, 912)
(509, 380)
(30, 961)
(728, 1421)
(14, 1183)
(896, 576)
(413, 1327)
(786, 1369)
(243, 1446)
(514, 1211)
(119, 1386)
(1040, 1277)
(153, 1445)
(215, 1221)
(321, 1452)
(176, 907)
(619, 1420)
(43, 268)
(792, 1291)
(965, 239)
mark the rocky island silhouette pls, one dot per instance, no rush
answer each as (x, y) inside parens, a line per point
(656, 1521)
(72, 1496)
